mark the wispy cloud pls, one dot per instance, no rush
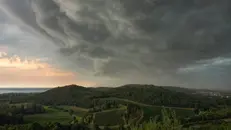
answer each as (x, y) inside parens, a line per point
(206, 64)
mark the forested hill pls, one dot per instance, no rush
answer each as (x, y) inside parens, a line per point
(148, 94)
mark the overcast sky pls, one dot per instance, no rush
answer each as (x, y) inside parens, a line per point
(46, 43)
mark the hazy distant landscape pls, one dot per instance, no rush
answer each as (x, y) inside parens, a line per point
(23, 90)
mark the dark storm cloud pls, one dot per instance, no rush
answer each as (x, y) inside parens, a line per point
(149, 39)
(20, 9)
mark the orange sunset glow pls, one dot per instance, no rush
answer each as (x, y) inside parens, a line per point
(18, 72)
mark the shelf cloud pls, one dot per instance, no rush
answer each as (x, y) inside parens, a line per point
(161, 42)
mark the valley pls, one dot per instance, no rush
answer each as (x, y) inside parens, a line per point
(115, 108)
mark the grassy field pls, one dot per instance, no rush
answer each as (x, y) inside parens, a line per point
(110, 117)
(152, 111)
(78, 111)
(51, 115)
(107, 117)
(126, 101)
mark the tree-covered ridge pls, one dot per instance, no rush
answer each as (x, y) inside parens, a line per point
(147, 94)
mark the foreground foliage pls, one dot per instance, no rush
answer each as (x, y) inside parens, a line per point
(167, 121)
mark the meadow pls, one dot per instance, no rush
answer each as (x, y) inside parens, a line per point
(150, 110)
(110, 117)
(50, 116)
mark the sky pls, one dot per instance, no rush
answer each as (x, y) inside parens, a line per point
(49, 43)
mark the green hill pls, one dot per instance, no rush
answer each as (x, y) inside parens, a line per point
(74, 95)
(71, 95)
